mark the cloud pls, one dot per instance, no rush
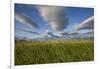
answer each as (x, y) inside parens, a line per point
(63, 33)
(47, 33)
(22, 18)
(51, 34)
(32, 32)
(74, 33)
(29, 31)
(55, 16)
(86, 24)
(89, 33)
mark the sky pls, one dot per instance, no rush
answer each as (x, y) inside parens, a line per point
(75, 16)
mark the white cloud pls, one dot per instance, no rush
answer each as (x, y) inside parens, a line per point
(22, 18)
(55, 16)
(28, 31)
(86, 24)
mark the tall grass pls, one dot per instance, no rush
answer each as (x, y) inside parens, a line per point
(53, 51)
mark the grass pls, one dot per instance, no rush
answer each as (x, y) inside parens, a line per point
(53, 51)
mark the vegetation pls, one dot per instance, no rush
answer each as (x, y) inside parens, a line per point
(53, 51)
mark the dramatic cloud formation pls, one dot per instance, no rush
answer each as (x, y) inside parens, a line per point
(55, 16)
(86, 24)
(22, 18)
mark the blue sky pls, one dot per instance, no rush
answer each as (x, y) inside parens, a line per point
(75, 15)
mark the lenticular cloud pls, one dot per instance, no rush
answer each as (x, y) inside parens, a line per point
(22, 18)
(55, 16)
(86, 24)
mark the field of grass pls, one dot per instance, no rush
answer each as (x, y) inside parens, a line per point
(53, 51)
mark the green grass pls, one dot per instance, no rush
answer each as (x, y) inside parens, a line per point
(53, 51)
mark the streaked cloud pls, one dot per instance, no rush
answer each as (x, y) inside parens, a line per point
(28, 31)
(86, 24)
(24, 19)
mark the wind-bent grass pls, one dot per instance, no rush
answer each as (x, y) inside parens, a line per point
(53, 51)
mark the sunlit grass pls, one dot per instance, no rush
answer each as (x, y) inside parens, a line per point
(53, 51)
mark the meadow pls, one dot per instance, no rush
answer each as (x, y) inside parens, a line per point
(53, 51)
